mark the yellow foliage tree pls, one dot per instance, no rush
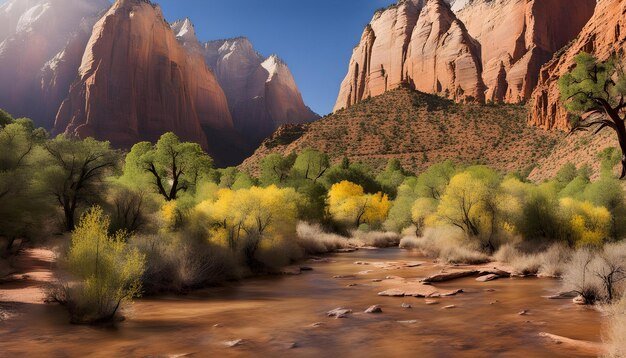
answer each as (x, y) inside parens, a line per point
(242, 219)
(421, 212)
(590, 225)
(348, 204)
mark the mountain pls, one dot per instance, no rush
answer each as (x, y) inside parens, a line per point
(466, 50)
(418, 129)
(136, 82)
(603, 35)
(262, 93)
(518, 36)
(41, 46)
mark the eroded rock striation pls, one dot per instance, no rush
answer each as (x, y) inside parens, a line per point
(262, 93)
(136, 82)
(41, 46)
(604, 35)
(466, 50)
(518, 36)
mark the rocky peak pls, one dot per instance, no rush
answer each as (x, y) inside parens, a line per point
(405, 43)
(137, 81)
(184, 30)
(467, 50)
(40, 50)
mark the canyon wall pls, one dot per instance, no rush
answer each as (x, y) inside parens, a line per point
(604, 35)
(466, 50)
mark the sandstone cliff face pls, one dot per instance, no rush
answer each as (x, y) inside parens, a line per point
(603, 35)
(136, 82)
(490, 50)
(41, 45)
(414, 41)
(518, 36)
(442, 58)
(262, 93)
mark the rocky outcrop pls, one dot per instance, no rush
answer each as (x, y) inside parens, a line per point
(414, 41)
(262, 93)
(41, 46)
(603, 35)
(442, 58)
(466, 50)
(518, 36)
(136, 82)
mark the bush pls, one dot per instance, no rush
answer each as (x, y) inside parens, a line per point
(578, 276)
(175, 264)
(106, 269)
(447, 244)
(549, 263)
(616, 333)
(313, 239)
(375, 238)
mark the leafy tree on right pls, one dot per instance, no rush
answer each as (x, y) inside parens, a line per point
(595, 92)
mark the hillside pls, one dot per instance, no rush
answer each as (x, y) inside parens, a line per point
(420, 130)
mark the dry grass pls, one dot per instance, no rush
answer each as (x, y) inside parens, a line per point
(550, 263)
(446, 244)
(314, 240)
(374, 238)
(173, 264)
(615, 337)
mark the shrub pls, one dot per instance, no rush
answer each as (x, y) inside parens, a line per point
(578, 276)
(616, 332)
(177, 264)
(313, 239)
(374, 238)
(447, 244)
(106, 269)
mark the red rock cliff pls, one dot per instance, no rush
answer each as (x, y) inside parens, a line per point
(518, 36)
(603, 35)
(490, 50)
(136, 82)
(41, 46)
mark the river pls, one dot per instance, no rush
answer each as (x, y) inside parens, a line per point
(284, 316)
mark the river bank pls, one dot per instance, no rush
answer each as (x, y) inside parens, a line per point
(278, 315)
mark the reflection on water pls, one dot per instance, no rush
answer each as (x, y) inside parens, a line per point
(277, 316)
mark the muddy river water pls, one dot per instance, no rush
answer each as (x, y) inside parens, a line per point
(285, 316)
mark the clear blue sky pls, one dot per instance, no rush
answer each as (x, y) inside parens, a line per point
(315, 37)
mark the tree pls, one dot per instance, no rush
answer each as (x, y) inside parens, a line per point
(275, 169)
(469, 203)
(108, 270)
(596, 90)
(311, 165)
(348, 203)
(422, 209)
(21, 204)
(244, 218)
(5, 118)
(172, 166)
(391, 178)
(75, 171)
(435, 179)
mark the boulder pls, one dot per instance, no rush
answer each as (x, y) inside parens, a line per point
(374, 309)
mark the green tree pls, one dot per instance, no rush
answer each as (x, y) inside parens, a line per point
(311, 165)
(391, 178)
(21, 204)
(596, 91)
(172, 166)
(5, 118)
(75, 171)
(435, 179)
(275, 169)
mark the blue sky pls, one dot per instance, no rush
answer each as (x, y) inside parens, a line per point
(315, 37)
